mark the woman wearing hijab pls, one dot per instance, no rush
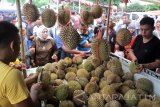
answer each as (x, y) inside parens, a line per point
(43, 49)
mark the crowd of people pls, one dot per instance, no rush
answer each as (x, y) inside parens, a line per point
(43, 45)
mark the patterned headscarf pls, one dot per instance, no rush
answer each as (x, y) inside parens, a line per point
(39, 34)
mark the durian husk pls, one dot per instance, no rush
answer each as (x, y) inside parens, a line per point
(91, 88)
(68, 61)
(74, 85)
(83, 81)
(103, 49)
(61, 92)
(69, 36)
(66, 103)
(64, 16)
(144, 84)
(131, 98)
(133, 67)
(83, 73)
(95, 100)
(123, 37)
(108, 93)
(115, 66)
(113, 103)
(145, 103)
(30, 12)
(48, 17)
(77, 60)
(86, 17)
(96, 11)
(70, 76)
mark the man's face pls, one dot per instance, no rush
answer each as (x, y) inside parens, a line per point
(83, 29)
(146, 30)
(158, 26)
(125, 19)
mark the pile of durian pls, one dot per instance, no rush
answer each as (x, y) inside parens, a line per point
(93, 83)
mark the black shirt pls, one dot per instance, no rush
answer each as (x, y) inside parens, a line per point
(146, 52)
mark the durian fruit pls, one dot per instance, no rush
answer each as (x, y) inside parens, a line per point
(113, 78)
(123, 89)
(128, 76)
(96, 62)
(88, 66)
(77, 60)
(39, 69)
(91, 88)
(46, 93)
(61, 92)
(98, 72)
(74, 85)
(60, 73)
(95, 100)
(156, 102)
(79, 97)
(144, 84)
(108, 93)
(49, 105)
(70, 76)
(53, 76)
(133, 67)
(80, 66)
(69, 36)
(113, 103)
(102, 83)
(106, 73)
(64, 16)
(61, 65)
(86, 17)
(145, 103)
(66, 103)
(116, 86)
(82, 81)
(141, 93)
(48, 17)
(57, 82)
(100, 49)
(50, 67)
(129, 83)
(68, 61)
(96, 11)
(115, 66)
(71, 69)
(123, 37)
(83, 73)
(30, 12)
(45, 78)
(131, 98)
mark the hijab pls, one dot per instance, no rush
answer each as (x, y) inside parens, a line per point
(39, 34)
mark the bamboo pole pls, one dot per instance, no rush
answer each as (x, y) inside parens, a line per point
(21, 36)
(108, 19)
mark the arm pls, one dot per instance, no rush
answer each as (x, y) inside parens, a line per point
(87, 45)
(132, 55)
(152, 65)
